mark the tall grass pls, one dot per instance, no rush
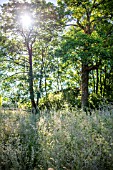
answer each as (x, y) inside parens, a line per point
(63, 140)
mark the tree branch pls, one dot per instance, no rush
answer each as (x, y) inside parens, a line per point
(93, 67)
(81, 26)
(72, 25)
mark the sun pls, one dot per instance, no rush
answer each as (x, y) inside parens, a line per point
(26, 21)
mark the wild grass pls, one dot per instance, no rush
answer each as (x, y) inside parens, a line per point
(67, 139)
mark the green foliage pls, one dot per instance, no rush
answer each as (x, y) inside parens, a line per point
(95, 100)
(60, 140)
(51, 101)
(78, 46)
(26, 58)
(57, 56)
(60, 99)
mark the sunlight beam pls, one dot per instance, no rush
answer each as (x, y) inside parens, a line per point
(26, 21)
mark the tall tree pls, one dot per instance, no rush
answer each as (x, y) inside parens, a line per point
(84, 17)
(25, 23)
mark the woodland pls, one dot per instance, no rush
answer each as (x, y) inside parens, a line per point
(56, 85)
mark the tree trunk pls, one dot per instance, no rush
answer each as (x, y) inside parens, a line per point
(85, 78)
(104, 90)
(31, 90)
(93, 74)
(101, 90)
(97, 82)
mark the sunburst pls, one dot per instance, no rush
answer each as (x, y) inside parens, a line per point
(26, 21)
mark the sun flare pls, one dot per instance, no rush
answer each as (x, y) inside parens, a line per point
(26, 21)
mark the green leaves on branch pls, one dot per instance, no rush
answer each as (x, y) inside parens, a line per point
(81, 46)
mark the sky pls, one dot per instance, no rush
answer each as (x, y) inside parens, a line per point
(53, 1)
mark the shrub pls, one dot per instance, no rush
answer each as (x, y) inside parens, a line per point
(51, 101)
(58, 99)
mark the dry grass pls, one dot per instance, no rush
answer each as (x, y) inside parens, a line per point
(62, 140)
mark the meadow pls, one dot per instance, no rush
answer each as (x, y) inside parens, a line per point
(66, 139)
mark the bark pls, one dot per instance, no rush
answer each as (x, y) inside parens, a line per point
(31, 90)
(85, 78)
(97, 82)
(101, 91)
(105, 79)
(41, 71)
(45, 82)
(85, 68)
(38, 97)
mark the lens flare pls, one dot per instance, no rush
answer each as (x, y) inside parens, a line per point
(26, 21)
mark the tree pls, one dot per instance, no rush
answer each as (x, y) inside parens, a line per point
(23, 36)
(84, 16)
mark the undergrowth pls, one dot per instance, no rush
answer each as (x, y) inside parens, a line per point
(67, 139)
